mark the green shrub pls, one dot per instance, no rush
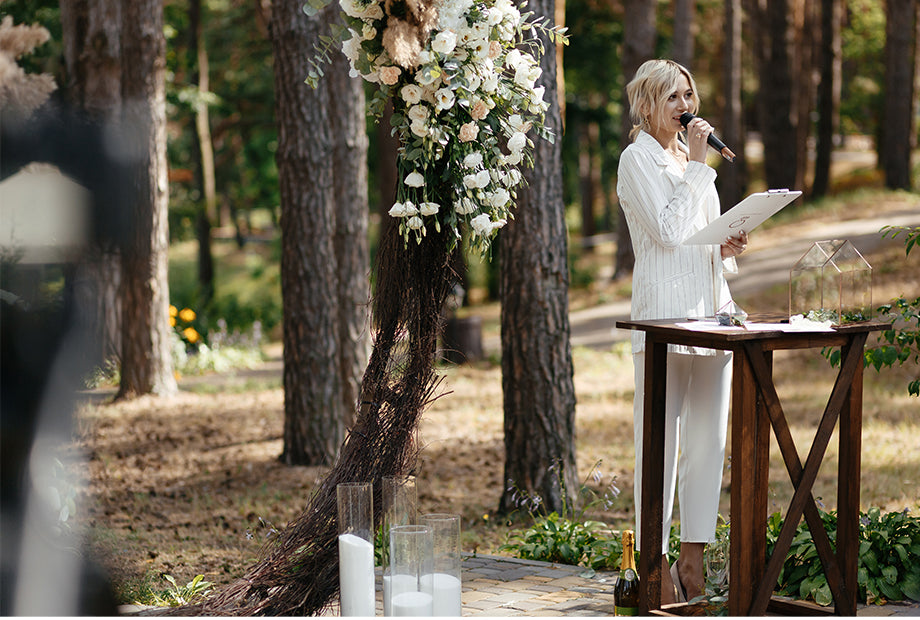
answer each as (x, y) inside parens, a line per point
(889, 558)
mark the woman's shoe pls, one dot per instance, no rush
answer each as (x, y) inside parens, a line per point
(681, 593)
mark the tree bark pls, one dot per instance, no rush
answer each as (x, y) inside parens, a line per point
(684, 11)
(732, 177)
(146, 360)
(202, 155)
(313, 428)
(828, 93)
(897, 123)
(92, 52)
(537, 375)
(806, 41)
(638, 46)
(351, 210)
(775, 94)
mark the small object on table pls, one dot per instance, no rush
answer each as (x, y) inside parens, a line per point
(731, 314)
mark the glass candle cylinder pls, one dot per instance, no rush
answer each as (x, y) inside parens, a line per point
(400, 507)
(355, 502)
(444, 582)
(410, 560)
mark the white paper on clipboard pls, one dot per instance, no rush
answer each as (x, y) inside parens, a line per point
(746, 215)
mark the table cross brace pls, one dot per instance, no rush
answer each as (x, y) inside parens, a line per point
(803, 479)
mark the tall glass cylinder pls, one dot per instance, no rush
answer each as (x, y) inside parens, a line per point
(400, 507)
(410, 561)
(355, 501)
(444, 582)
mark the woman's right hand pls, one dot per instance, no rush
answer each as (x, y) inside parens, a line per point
(698, 131)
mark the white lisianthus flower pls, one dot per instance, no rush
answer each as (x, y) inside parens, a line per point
(526, 75)
(483, 178)
(469, 181)
(472, 160)
(352, 46)
(499, 198)
(514, 158)
(397, 210)
(479, 48)
(444, 99)
(517, 142)
(512, 177)
(414, 179)
(428, 208)
(490, 83)
(444, 42)
(513, 59)
(411, 94)
(464, 206)
(494, 16)
(483, 226)
(472, 79)
(415, 222)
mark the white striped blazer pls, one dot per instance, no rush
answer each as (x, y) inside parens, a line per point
(663, 206)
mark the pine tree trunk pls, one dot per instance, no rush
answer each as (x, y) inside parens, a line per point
(313, 429)
(92, 52)
(684, 12)
(732, 177)
(828, 93)
(350, 143)
(537, 375)
(638, 46)
(775, 97)
(146, 361)
(897, 124)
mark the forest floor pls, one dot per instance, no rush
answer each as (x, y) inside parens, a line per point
(192, 484)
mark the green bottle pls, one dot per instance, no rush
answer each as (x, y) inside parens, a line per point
(626, 592)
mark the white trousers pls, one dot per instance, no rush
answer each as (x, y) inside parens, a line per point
(696, 422)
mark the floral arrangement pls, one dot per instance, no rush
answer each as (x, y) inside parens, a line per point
(462, 78)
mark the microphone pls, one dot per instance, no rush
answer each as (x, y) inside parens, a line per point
(712, 141)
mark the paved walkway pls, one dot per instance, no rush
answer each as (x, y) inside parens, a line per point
(501, 586)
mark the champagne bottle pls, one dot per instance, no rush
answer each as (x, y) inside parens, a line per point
(626, 592)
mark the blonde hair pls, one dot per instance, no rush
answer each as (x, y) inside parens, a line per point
(653, 83)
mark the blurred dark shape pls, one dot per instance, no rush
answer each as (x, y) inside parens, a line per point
(46, 350)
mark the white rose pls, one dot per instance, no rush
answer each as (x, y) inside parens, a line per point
(418, 113)
(389, 75)
(526, 76)
(490, 83)
(513, 58)
(444, 42)
(411, 94)
(419, 128)
(414, 179)
(444, 99)
(494, 16)
(482, 178)
(428, 208)
(368, 32)
(373, 11)
(517, 142)
(472, 160)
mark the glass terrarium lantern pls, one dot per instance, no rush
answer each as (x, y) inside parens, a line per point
(831, 282)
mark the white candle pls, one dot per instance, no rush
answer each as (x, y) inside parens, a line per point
(445, 590)
(356, 575)
(412, 604)
(396, 584)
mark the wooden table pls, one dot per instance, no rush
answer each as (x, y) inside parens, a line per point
(755, 408)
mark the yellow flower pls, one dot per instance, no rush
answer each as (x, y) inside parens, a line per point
(172, 310)
(172, 321)
(187, 315)
(191, 335)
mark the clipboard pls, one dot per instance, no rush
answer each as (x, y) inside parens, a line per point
(746, 215)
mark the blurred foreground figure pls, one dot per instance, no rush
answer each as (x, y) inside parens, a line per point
(64, 190)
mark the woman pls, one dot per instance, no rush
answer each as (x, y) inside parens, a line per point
(667, 193)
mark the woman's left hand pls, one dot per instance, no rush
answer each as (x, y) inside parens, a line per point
(734, 246)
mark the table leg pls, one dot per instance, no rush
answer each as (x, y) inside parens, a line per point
(749, 471)
(848, 472)
(656, 353)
